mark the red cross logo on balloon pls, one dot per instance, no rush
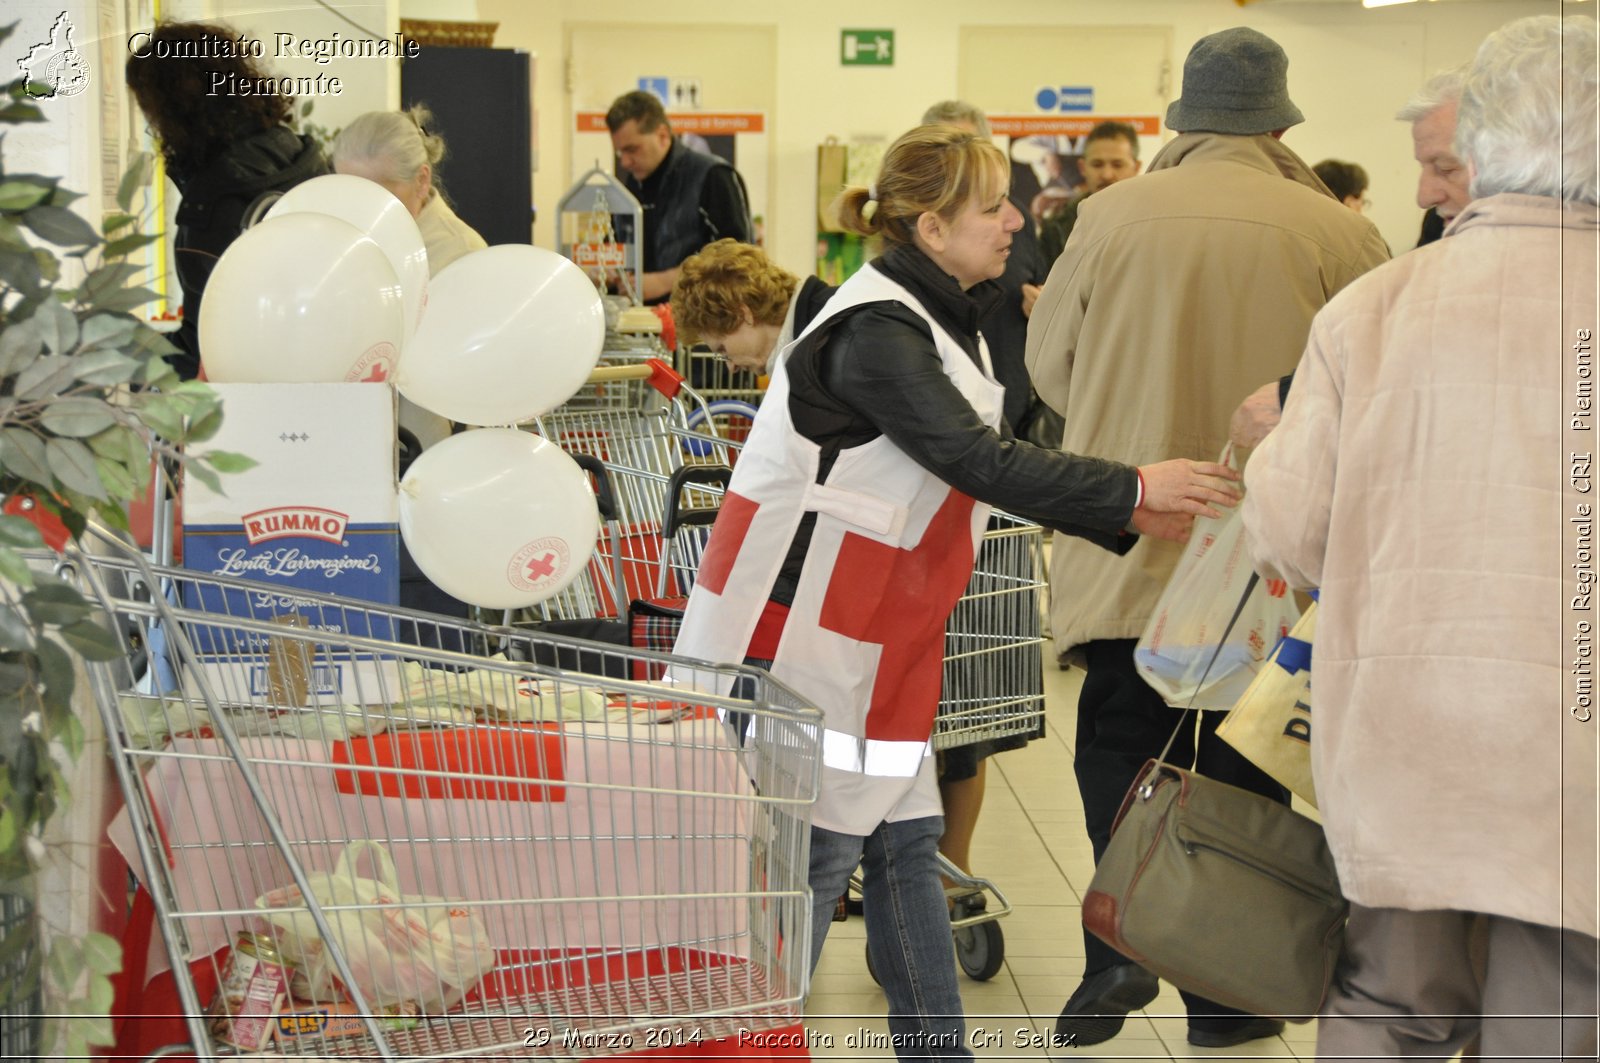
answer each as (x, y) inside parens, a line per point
(900, 600)
(535, 565)
(373, 366)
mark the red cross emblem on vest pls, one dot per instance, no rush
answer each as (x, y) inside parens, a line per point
(901, 600)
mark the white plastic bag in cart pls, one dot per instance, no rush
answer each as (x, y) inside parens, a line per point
(404, 948)
(1177, 645)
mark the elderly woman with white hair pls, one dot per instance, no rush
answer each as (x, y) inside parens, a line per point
(398, 151)
(1431, 475)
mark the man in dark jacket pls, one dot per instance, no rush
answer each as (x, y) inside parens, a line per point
(228, 154)
(689, 198)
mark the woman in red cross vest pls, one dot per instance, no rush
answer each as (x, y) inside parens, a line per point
(849, 530)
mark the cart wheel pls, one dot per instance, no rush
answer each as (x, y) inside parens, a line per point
(981, 950)
(873, 971)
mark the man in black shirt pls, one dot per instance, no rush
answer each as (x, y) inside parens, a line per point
(689, 198)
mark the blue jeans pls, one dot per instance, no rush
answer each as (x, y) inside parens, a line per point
(908, 928)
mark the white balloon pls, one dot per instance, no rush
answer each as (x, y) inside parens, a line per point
(498, 517)
(301, 299)
(374, 210)
(511, 332)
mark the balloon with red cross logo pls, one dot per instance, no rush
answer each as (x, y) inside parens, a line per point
(498, 518)
(302, 299)
(510, 332)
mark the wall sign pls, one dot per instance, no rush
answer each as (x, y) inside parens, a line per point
(1066, 98)
(866, 47)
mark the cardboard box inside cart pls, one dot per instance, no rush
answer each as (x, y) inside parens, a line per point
(320, 512)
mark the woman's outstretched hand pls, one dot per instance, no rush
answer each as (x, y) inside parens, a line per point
(1184, 486)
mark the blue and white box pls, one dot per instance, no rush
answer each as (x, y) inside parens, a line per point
(320, 512)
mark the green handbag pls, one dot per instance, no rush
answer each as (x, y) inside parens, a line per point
(1220, 891)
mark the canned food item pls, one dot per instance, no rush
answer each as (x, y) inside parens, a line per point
(255, 985)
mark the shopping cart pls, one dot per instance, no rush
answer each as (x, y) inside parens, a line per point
(583, 866)
(651, 428)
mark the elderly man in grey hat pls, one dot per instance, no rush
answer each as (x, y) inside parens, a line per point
(1177, 293)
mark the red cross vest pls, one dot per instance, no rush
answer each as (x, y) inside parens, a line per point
(891, 553)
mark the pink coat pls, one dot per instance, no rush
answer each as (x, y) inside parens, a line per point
(1420, 477)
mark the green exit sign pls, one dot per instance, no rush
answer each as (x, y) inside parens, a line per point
(866, 47)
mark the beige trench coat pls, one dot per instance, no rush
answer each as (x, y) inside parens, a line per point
(1417, 478)
(1180, 292)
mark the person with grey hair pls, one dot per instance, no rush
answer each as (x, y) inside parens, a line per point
(1442, 185)
(1430, 476)
(398, 151)
(1244, 245)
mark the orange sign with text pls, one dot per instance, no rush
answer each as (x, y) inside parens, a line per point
(705, 123)
(1072, 125)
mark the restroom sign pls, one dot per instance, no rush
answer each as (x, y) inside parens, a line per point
(1066, 99)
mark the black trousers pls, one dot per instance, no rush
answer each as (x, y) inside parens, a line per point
(1122, 723)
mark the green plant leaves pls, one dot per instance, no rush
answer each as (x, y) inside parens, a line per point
(134, 178)
(226, 461)
(50, 375)
(104, 368)
(23, 454)
(106, 280)
(15, 633)
(92, 641)
(58, 327)
(79, 418)
(22, 193)
(57, 603)
(73, 465)
(60, 226)
(102, 954)
(20, 342)
(125, 245)
(19, 532)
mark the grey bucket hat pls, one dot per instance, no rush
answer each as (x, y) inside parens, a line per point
(1235, 81)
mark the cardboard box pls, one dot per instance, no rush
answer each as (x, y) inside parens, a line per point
(319, 513)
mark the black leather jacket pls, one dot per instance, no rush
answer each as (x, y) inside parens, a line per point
(874, 370)
(216, 201)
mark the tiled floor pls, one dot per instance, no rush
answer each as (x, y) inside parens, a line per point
(1030, 843)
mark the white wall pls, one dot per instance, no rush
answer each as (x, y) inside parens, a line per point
(818, 98)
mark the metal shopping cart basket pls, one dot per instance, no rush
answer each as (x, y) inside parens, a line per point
(661, 429)
(461, 855)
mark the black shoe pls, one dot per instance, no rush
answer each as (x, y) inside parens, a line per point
(1237, 1035)
(1097, 1009)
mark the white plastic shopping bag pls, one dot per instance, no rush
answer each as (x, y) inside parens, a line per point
(400, 947)
(1192, 615)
